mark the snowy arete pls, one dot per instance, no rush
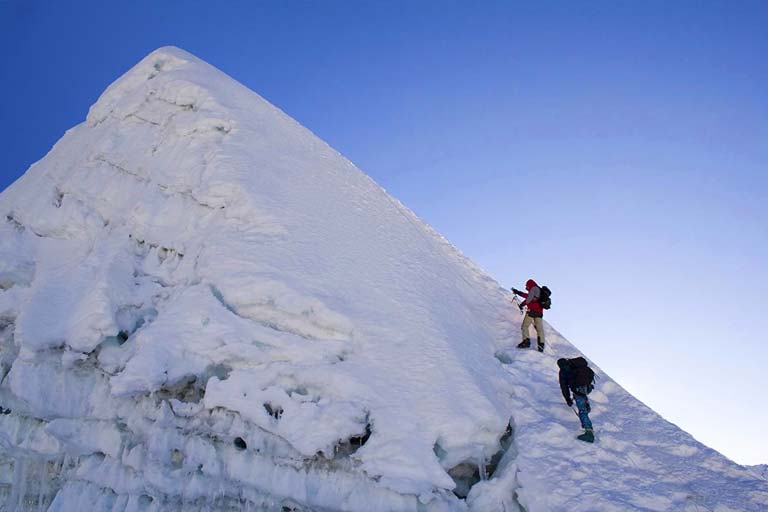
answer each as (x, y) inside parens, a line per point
(205, 307)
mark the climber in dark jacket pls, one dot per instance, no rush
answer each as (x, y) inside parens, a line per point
(533, 315)
(576, 377)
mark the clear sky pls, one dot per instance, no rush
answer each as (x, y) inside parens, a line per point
(615, 151)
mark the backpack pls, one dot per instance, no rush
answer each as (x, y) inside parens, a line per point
(544, 297)
(582, 374)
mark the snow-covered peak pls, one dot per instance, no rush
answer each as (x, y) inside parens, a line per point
(133, 86)
(204, 306)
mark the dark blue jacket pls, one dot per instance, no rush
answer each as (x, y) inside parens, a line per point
(566, 383)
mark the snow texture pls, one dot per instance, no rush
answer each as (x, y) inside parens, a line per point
(205, 307)
(760, 470)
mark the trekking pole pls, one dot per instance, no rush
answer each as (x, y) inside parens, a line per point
(575, 411)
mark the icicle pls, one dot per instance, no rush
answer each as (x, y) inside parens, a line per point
(42, 487)
(482, 465)
(20, 482)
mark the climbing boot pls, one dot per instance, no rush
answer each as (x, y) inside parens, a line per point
(540, 344)
(588, 436)
(526, 343)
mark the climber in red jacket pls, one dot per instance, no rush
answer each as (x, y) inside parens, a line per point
(534, 314)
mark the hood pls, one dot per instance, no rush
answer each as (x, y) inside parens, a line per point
(530, 284)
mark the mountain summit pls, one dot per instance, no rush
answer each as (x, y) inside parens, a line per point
(205, 307)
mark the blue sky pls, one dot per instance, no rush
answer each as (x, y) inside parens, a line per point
(616, 151)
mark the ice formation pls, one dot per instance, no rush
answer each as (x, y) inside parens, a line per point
(205, 307)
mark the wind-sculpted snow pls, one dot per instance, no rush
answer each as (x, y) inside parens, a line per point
(205, 307)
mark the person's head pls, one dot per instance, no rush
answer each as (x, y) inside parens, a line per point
(530, 284)
(562, 363)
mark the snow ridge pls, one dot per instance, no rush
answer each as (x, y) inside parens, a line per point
(205, 307)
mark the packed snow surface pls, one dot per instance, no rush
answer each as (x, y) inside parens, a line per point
(205, 307)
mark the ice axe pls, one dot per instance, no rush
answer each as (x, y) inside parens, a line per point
(517, 303)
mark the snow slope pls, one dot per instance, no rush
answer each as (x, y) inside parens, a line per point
(760, 470)
(205, 307)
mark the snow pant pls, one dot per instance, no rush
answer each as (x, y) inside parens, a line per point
(582, 402)
(537, 324)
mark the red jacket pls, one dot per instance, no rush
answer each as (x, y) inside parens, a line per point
(532, 303)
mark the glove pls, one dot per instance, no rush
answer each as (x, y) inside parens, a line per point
(515, 291)
(569, 402)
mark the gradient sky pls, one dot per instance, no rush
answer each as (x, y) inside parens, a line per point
(616, 151)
